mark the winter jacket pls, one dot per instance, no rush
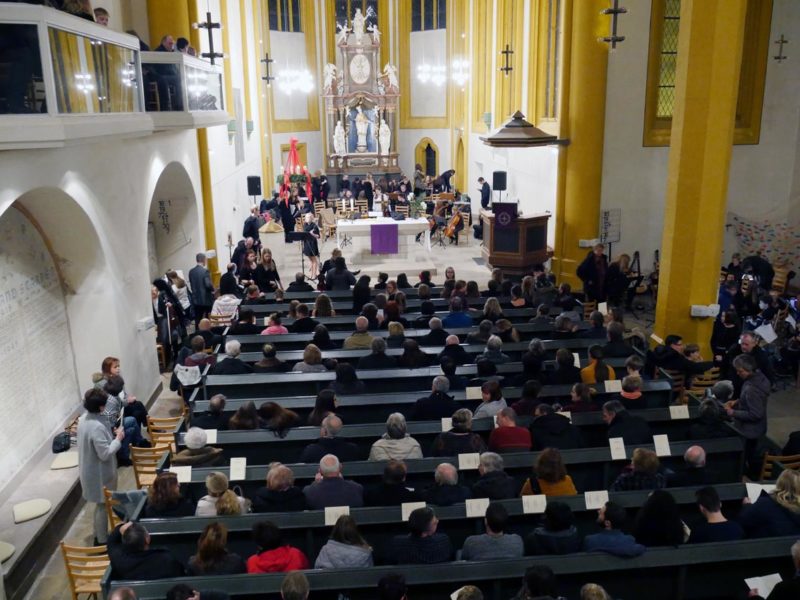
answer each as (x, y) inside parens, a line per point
(767, 518)
(144, 565)
(387, 448)
(207, 456)
(555, 431)
(631, 428)
(336, 555)
(495, 485)
(290, 499)
(750, 414)
(542, 541)
(278, 560)
(207, 506)
(436, 406)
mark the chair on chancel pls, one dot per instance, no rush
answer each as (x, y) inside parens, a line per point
(85, 568)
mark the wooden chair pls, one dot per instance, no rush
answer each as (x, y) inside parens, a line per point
(781, 278)
(113, 518)
(145, 462)
(678, 383)
(162, 357)
(85, 569)
(588, 308)
(162, 430)
(152, 99)
(327, 222)
(318, 206)
(700, 383)
(402, 209)
(768, 470)
(362, 205)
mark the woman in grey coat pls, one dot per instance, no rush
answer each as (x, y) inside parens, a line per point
(345, 548)
(97, 449)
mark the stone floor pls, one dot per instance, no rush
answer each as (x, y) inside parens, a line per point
(784, 409)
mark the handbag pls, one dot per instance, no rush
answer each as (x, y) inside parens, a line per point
(248, 504)
(62, 442)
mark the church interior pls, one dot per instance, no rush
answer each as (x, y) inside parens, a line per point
(510, 155)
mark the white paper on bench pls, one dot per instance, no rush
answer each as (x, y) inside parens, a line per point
(406, 508)
(661, 442)
(565, 413)
(764, 584)
(332, 513)
(681, 411)
(602, 308)
(474, 393)
(184, 474)
(211, 436)
(469, 461)
(613, 385)
(238, 468)
(754, 490)
(595, 500)
(476, 507)
(534, 505)
(447, 423)
(617, 446)
(576, 360)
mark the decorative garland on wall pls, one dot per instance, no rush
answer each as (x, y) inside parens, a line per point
(777, 242)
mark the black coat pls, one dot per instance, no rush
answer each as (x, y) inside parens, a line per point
(435, 406)
(182, 508)
(343, 450)
(631, 428)
(267, 501)
(495, 485)
(446, 495)
(436, 337)
(664, 357)
(555, 431)
(456, 353)
(303, 325)
(209, 420)
(385, 494)
(250, 228)
(145, 565)
(376, 361)
(617, 349)
(594, 282)
(231, 366)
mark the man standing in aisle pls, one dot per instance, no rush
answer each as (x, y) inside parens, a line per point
(486, 200)
(202, 289)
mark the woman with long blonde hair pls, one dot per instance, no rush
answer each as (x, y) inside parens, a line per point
(776, 513)
(220, 500)
(266, 275)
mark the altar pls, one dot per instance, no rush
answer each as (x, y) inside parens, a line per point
(356, 239)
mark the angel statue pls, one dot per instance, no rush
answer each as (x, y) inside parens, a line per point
(376, 34)
(338, 139)
(390, 72)
(358, 25)
(330, 72)
(344, 31)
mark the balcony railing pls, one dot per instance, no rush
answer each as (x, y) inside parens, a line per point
(181, 90)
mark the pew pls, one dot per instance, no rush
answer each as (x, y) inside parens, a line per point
(369, 408)
(345, 307)
(590, 468)
(689, 572)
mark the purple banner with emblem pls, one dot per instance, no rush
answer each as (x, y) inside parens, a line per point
(384, 238)
(505, 213)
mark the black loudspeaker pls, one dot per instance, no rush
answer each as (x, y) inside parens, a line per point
(254, 185)
(499, 181)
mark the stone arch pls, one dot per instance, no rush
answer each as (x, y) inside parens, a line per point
(426, 148)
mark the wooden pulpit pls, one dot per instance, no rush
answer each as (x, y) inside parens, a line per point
(517, 246)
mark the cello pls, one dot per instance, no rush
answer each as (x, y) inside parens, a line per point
(456, 219)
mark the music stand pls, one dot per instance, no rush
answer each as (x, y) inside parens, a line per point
(302, 237)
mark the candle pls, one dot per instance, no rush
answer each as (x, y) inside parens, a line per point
(351, 204)
(342, 204)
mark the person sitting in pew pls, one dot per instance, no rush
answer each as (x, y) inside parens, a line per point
(542, 317)
(360, 339)
(312, 360)
(565, 373)
(631, 394)
(299, 284)
(214, 417)
(597, 371)
(658, 522)
(454, 351)
(539, 582)
(412, 357)
(529, 398)
(396, 443)
(325, 404)
(397, 334)
(710, 423)
(642, 474)
(715, 527)
(457, 317)
(633, 365)
(592, 591)
(597, 326)
(492, 400)
(581, 399)
(437, 336)
(557, 534)
(274, 326)
(164, 499)
(346, 548)
(347, 381)
(331, 489)
(182, 591)
(212, 556)
(197, 452)
(245, 418)
(132, 558)
(277, 419)
(392, 490)
(694, 471)
(507, 436)
(788, 589)
(377, 359)
(483, 334)
(460, 439)
(495, 543)
(246, 324)
(423, 545)
(670, 356)
(446, 490)
(494, 351)
(280, 494)
(457, 382)
(551, 430)
(612, 540)
(294, 587)
(532, 361)
(427, 310)
(271, 363)
(550, 476)
(231, 364)
(493, 483)
(631, 428)
(775, 513)
(392, 314)
(253, 296)
(273, 555)
(328, 443)
(220, 500)
(370, 312)
(616, 347)
(204, 330)
(303, 323)
(438, 405)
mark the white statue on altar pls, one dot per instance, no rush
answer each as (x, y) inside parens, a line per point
(385, 136)
(358, 26)
(362, 127)
(339, 145)
(390, 73)
(344, 31)
(376, 34)
(329, 85)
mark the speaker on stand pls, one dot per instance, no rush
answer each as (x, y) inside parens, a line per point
(499, 182)
(254, 187)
